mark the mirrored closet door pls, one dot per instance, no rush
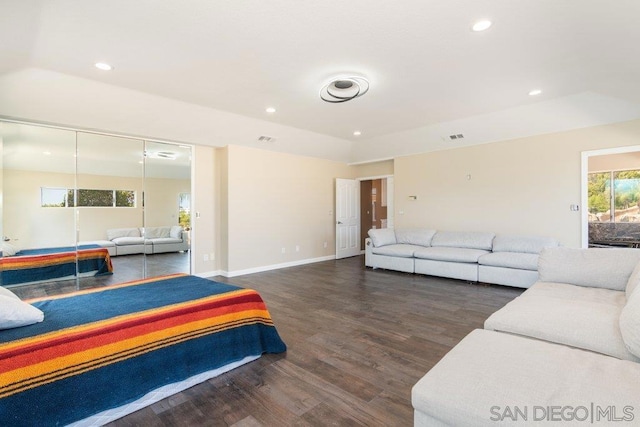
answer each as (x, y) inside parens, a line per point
(84, 209)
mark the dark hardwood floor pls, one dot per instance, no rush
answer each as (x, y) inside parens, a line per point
(358, 339)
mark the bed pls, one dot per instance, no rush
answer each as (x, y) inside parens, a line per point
(43, 265)
(102, 353)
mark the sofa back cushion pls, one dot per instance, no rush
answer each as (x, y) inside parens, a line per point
(608, 268)
(175, 232)
(415, 236)
(114, 233)
(156, 232)
(382, 236)
(630, 324)
(463, 239)
(634, 280)
(522, 244)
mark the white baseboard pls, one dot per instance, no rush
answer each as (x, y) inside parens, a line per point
(265, 267)
(209, 274)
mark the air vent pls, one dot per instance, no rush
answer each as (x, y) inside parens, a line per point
(266, 139)
(456, 136)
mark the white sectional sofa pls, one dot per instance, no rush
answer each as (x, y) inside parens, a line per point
(149, 240)
(566, 351)
(473, 256)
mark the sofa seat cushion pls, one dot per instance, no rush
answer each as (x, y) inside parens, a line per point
(124, 241)
(450, 254)
(163, 240)
(488, 373)
(403, 251)
(522, 261)
(576, 316)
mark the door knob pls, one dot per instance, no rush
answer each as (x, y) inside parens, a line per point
(339, 222)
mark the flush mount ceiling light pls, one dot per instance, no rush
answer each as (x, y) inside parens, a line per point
(535, 92)
(357, 133)
(270, 110)
(103, 66)
(343, 89)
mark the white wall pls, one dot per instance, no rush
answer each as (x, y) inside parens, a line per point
(522, 186)
(279, 201)
(161, 200)
(25, 222)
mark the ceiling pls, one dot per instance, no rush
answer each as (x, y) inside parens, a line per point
(424, 64)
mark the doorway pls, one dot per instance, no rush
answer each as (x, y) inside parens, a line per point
(376, 205)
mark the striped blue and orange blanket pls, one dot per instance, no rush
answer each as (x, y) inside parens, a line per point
(33, 265)
(103, 348)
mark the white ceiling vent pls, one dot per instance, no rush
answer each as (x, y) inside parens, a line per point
(266, 139)
(456, 136)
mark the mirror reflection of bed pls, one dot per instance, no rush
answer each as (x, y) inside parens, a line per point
(67, 190)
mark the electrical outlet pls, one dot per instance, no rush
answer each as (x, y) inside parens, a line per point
(297, 248)
(284, 250)
(325, 245)
(205, 257)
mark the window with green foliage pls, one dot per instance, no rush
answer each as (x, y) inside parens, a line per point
(614, 196)
(184, 211)
(62, 197)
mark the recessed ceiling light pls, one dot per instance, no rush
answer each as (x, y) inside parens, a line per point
(535, 92)
(357, 133)
(481, 25)
(46, 153)
(270, 110)
(103, 66)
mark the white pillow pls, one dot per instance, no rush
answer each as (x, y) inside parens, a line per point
(7, 293)
(15, 313)
(382, 236)
(8, 249)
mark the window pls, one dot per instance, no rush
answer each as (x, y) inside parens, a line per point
(62, 197)
(53, 197)
(619, 202)
(184, 210)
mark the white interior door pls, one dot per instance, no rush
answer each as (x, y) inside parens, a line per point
(347, 218)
